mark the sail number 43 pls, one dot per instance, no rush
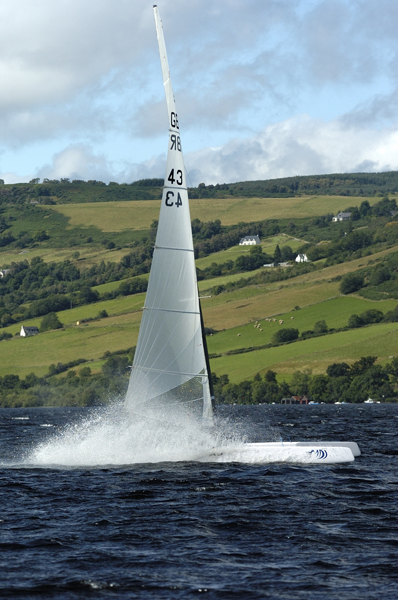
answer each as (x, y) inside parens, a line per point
(177, 179)
(169, 201)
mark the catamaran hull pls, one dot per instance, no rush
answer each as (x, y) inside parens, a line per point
(274, 452)
(353, 446)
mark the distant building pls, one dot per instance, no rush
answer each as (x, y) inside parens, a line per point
(28, 331)
(301, 258)
(342, 216)
(249, 240)
(295, 400)
(4, 272)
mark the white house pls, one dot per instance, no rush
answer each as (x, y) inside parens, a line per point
(4, 272)
(249, 240)
(342, 216)
(28, 331)
(301, 258)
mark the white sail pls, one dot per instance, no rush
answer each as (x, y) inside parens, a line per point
(170, 365)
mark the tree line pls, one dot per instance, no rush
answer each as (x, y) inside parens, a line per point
(74, 384)
(342, 383)
(70, 384)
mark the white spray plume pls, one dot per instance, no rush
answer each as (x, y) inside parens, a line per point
(115, 436)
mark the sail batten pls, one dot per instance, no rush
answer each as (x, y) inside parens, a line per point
(171, 310)
(171, 248)
(172, 372)
(170, 367)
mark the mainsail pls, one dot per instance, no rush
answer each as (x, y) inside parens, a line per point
(169, 367)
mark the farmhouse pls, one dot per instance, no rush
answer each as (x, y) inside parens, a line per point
(249, 240)
(28, 331)
(342, 216)
(301, 258)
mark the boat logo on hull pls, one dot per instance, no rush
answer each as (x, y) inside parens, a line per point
(321, 454)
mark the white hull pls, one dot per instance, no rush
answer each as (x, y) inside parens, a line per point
(291, 452)
(353, 446)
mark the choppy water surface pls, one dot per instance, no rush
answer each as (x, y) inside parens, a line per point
(92, 528)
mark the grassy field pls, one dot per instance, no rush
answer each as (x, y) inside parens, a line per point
(235, 210)
(335, 312)
(87, 340)
(315, 354)
(235, 312)
(118, 216)
(249, 304)
(232, 253)
(90, 341)
(316, 294)
(89, 255)
(26, 355)
(111, 216)
(113, 285)
(72, 223)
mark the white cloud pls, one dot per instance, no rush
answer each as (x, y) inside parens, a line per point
(77, 162)
(84, 74)
(299, 146)
(48, 50)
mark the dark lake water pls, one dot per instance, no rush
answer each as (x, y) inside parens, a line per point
(185, 529)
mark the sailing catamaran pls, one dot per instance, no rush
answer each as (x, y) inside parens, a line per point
(170, 375)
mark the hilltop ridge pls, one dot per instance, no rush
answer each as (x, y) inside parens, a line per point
(77, 191)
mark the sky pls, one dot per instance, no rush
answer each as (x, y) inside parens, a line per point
(264, 88)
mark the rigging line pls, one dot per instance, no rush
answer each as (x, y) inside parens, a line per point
(187, 175)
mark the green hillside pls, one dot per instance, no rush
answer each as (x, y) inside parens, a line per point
(83, 251)
(315, 354)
